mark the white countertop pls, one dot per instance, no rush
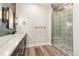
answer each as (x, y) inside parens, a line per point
(8, 43)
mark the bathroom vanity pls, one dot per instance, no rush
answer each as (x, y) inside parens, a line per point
(13, 45)
(20, 49)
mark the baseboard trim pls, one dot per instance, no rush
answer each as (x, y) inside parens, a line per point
(37, 44)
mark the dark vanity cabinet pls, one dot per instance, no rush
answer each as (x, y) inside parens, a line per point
(20, 49)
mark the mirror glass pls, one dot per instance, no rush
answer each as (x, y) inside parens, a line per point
(7, 18)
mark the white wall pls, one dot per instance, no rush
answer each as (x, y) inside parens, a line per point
(76, 29)
(34, 15)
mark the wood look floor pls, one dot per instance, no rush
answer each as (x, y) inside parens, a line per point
(44, 50)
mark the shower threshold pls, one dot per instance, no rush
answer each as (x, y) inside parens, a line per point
(65, 51)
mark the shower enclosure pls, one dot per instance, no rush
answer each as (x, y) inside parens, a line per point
(62, 32)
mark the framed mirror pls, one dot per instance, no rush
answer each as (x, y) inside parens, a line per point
(7, 18)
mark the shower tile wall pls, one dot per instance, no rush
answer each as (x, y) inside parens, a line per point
(62, 27)
(56, 22)
(67, 27)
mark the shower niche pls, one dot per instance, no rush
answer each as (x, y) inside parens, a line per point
(62, 28)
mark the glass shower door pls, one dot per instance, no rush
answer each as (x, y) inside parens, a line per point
(62, 32)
